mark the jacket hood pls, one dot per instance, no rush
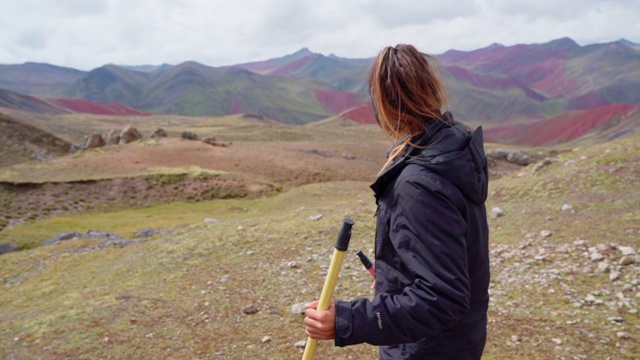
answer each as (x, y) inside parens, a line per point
(448, 149)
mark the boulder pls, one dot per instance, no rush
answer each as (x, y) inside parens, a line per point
(113, 137)
(93, 141)
(514, 156)
(7, 248)
(188, 135)
(159, 133)
(61, 237)
(129, 134)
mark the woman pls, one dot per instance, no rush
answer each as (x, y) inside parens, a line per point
(432, 261)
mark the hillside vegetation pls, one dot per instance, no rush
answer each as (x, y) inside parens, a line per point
(217, 278)
(508, 87)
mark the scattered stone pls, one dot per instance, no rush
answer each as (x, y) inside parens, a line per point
(266, 339)
(250, 310)
(93, 141)
(298, 308)
(212, 221)
(112, 137)
(596, 256)
(623, 335)
(590, 298)
(188, 135)
(160, 132)
(61, 237)
(614, 275)
(603, 266)
(627, 250)
(129, 134)
(318, 152)
(292, 264)
(120, 242)
(210, 140)
(627, 260)
(7, 248)
(496, 212)
(568, 208)
(545, 233)
(144, 233)
(513, 156)
(615, 319)
(541, 164)
(348, 156)
(301, 344)
(315, 217)
(99, 234)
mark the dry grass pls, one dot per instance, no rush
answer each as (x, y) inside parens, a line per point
(181, 293)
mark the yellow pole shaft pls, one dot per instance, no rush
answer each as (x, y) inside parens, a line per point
(325, 297)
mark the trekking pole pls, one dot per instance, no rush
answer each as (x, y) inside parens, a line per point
(342, 244)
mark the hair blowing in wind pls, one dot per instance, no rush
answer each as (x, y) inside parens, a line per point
(406, 92)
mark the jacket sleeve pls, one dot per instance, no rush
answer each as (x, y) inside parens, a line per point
(428, 232)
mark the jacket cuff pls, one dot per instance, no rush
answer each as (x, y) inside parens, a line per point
(343, 323)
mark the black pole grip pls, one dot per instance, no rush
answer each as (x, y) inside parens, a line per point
(364, 259)
(342, 244)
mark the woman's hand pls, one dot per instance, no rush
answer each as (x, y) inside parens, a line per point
(319, 324)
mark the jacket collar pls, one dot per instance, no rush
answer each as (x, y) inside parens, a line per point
(427, 136)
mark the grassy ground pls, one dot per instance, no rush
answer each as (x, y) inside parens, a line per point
(181, 293)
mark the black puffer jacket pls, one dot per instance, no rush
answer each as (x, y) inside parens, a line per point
(432, 256)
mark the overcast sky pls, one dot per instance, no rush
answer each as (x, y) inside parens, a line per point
(86, 34)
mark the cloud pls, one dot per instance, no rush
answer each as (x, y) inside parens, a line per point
(89, 33)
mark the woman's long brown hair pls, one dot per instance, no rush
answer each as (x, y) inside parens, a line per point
(406, 93)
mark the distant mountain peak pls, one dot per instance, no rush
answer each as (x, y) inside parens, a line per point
(563, 43)
(303, 52)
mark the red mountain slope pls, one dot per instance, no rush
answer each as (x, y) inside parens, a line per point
(338, 101)
(566, 127)
(362, 114)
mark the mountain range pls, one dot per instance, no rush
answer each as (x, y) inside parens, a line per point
(505, 88)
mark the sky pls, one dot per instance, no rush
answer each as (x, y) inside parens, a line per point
(86, 34)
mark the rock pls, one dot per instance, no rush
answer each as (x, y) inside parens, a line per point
(250, 310)
(315, 217)
(119, 241)
(568, 208)
(129, 134)
(596, 256)
(614, 275)
(627, 250)
(590, 298)
(212, 221)
(348, 156)
(318, 152)
(496, 212)
(266, 339)
(160, 132)
(301, 344)
(93, 141)
(545, 233)
(113, 137)
(298, 308)
(7, 248)
(210, 140)
(144, 233)
(623, 335)
(188, 135)
(603, 266)
(98, 234)
(627, 260)
(61, 237)
(513, 156)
